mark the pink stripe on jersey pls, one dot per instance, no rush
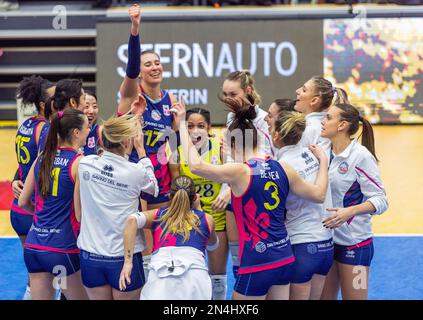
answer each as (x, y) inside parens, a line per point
(70, 167)
(20, 210)
(37, 136)
(43, 248)
(249, 184)
(350, 220)
(76, 226)
(207, 223)
(361, 244)
(368, 177)
(267, 266)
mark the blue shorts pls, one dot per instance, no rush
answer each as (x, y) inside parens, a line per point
(360, 254)
(56, 263)
(259, 283)
(312, 258)
(21, 223)
(99, 271)
(161, 198)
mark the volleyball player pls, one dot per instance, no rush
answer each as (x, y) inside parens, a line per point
(312, 244)
(259, 189)
(157, 118)
(91, 111)
(50, 250)
(109, 192)
(240, 85)
(32, 90)
(313, 99)
(357, 195)
(68, 93)
(199, 126)
(182, 233)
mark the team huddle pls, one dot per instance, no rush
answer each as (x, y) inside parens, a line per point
(150, 205)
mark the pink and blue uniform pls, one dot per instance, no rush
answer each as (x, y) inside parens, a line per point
(92, 140)
(265, 252)
(196, 240)
(43, 136)
(157, 127)
(51, 241)
(26, 147)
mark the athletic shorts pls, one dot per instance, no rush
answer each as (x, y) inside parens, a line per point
(312, 258)
(21, 223)
(97, 271)
(162, 174)
(360, 254)
(259, 283)
(219, 220)
(56, 263)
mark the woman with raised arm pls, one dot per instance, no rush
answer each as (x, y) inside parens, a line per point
(259, 187)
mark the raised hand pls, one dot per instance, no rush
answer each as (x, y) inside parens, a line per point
(179, 111)
(135, 15)
(138, 106)
(318, 152)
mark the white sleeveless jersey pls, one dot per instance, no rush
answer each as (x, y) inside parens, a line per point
(110, 192)
(264, 140)
(354, 178)
(304, 218)
(311, 134)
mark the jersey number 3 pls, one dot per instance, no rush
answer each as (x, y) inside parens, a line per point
(274, 194)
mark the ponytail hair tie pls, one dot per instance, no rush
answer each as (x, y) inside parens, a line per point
(183, 188)
(60, 114)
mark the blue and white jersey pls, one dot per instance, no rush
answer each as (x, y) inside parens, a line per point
(110, 188)
(311, 134)
(304, 218)
(354, 178)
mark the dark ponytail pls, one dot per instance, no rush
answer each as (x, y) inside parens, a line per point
(66, 89)
(244, 114)
(351, 114)
(33, 90)
(62, 125)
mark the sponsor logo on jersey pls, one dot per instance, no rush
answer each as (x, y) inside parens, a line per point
(91, 142)
(166, 110)
(156, 115)
(343, 167)
(260, 247)
(307, 158)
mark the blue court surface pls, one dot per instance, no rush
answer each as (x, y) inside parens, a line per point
(396, 271)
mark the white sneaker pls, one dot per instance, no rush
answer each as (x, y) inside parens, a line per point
(27, 295)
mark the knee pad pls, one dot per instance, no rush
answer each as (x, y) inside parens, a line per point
(219, 286)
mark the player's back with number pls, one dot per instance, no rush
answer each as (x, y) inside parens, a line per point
(260, 217)
(55, 225)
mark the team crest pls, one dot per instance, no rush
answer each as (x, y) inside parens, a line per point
(156, 115)
(166, 110)
(91, 142)
(343, 168)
